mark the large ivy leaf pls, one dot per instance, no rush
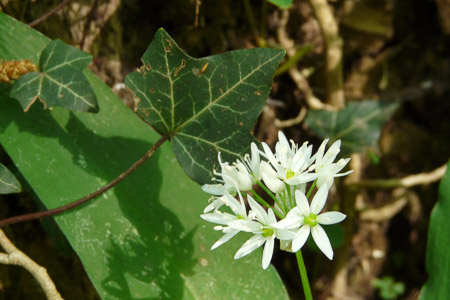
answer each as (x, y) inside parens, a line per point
(206, 105)
(8, 183)
(358, 125)
(143, 239)
(438, 246)
(60, 82)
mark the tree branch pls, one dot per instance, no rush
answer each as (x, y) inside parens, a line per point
(14, 256)
(333, 48)
(408, 181)
(49, 13)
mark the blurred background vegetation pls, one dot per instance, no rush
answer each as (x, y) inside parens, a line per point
(395, 51)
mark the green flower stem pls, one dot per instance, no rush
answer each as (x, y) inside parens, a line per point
(263, 202)
(303, 276)
(288, 188)
(311, 189)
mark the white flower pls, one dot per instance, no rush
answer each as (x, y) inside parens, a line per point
(270, 178)
(324, 166)
(234, 177)
(223, 218)
(263, 230)
(291, 163)
(253, 163)
(309, 220)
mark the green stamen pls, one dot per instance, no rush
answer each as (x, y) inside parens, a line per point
(267, 232)
(311, 220)
(290, 174)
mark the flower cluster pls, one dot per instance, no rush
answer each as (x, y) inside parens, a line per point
(283, 175)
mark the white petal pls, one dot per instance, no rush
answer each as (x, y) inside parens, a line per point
(290, 222)
(320, 237)
(234, 205)
(319, 200)
(270, 178)
(272, 218)
(325, 178)
(282, 139)
(214, 189)
(331, 217)
(246, 225)
(302, 203)
(269, 154)
(302, 178)
(214, 205)
(218, 218)
(225, 238)
(332, 153)
(283, 234)
(261, 214)
(300, 239)
(250, 245)
(268, 252)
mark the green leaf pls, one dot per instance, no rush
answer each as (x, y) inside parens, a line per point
(438, 246)
(60, 82)
(8, 183)
(144, 238)
(358, 125)
(206, 105)
(281, 3)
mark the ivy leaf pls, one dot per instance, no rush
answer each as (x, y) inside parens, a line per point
(60, 81)
(281, 3)
(8, 183)
(438, 246)
(206, 105)
(358, 125)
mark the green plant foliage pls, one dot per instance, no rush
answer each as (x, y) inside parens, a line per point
(143, 239)
(281, 3)
(8, 183)
(438, 246)
(206, 105)
(60, 82)
(358, 125)
(389, 289)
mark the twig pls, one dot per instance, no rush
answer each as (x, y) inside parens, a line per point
(408, 181)
(387, 211)
(87, 25)
(291, 122)
(299, 79)
(49, 13)
(14, 256)
(333, 48)
(61, 209)
(197, 12)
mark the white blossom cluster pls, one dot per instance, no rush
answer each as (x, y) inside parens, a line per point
(284, 176)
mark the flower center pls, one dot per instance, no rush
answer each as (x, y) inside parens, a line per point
(267, 232)
(239, 217)
(311, 220)
(290, 174)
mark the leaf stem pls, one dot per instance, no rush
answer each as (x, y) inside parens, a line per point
(311, 189)
(61, 209)
(303, 275)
